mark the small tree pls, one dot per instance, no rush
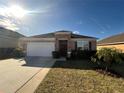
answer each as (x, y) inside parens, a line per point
(106, 57)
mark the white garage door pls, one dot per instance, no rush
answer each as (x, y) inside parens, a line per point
(40, 48)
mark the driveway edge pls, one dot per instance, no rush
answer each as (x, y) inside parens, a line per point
(34, 82)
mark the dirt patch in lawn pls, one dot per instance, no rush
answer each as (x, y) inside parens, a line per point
(79, 77)
(110, 72)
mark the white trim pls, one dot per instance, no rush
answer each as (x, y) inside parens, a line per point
(37, 39)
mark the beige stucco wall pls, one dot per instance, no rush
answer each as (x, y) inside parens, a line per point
(93, 45)
(118, 46)
(71, 45)
(62, 36)
(71, 42)
(8, 39)
(58, 36)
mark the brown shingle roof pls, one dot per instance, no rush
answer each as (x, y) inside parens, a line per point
(48, 35)
(80, 36)
(52, 35)
(112, 39)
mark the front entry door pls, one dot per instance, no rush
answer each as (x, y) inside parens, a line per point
(63, 47)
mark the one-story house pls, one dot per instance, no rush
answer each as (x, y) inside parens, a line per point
(9, 38)
(62, 41)
(115, 41)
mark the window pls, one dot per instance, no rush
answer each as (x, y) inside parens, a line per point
(83, 45)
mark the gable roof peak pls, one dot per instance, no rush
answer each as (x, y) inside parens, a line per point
(64, 31)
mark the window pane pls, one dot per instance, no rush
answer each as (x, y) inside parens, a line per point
(83, 45)
(79, 43)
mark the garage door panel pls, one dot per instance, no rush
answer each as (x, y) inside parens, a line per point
(40, 48)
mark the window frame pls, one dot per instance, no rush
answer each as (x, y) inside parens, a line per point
(84, 45)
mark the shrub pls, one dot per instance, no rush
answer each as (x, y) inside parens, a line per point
(106, 57)
(10, 52)
(55, 54)
(82, 54)
(122, 56)
(5, 52)
(73, 54)
(18, 53)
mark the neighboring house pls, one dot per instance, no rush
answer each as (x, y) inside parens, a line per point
(62, 41)
(116, 41)
(8, 38)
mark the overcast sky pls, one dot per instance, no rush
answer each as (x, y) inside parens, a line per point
(98, 18)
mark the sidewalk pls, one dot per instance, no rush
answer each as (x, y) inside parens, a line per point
(33, 83)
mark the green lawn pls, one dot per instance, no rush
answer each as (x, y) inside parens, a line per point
(79, 77)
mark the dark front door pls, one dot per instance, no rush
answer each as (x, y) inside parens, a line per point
(63, 47)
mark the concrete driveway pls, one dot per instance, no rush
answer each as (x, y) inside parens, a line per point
(15, 73)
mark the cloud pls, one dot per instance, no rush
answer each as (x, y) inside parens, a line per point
(11, 17)
(8, 24)
(8, 20)
(76, 32)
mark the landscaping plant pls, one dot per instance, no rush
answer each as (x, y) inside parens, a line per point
(106, 57)
(11, 52)
(82, 54)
